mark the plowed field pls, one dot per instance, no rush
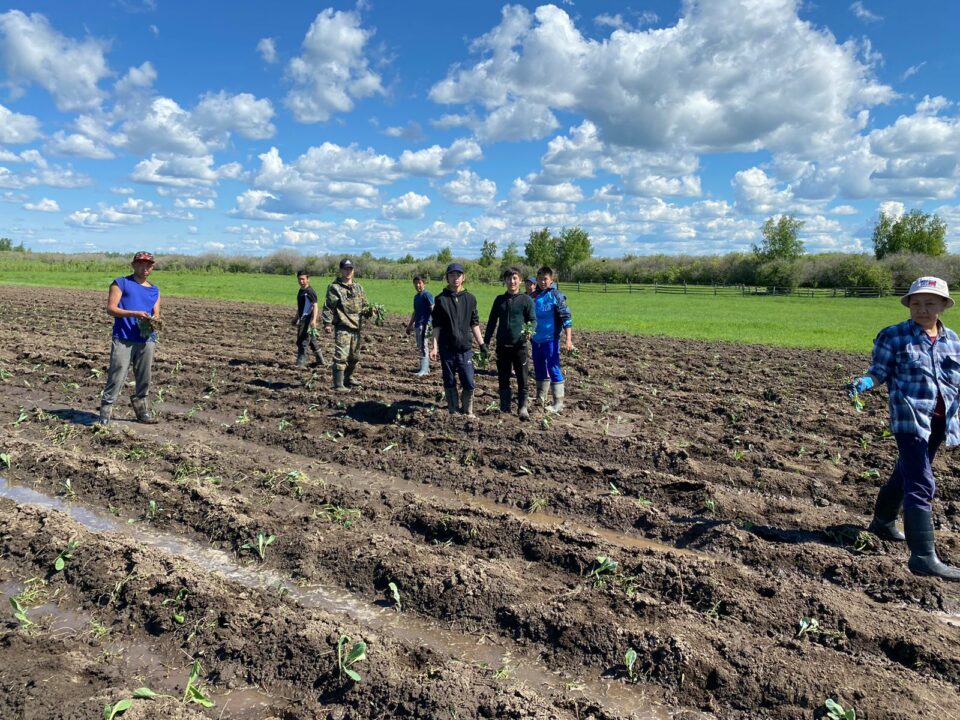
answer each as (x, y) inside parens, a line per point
(726, 485)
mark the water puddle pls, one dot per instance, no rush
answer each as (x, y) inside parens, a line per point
(482, 651)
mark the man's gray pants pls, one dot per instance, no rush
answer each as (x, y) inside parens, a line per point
(123, 354)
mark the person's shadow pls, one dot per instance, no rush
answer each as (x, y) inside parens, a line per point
(78, 417)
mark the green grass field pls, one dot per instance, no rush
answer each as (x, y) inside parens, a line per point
(834, 323)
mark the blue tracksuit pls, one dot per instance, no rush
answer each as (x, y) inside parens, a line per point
(553, 315)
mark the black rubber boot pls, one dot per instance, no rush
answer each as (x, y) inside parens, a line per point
(466, 403)
(453, 400)
(348, 380)
(105, 412)
(923, 554)
(301, 360)
(884, 523)
(506, 398)
(338, 385)
(143, 413)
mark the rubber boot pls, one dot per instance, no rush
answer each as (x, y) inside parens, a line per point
(918, 525)
(506, 398)
(453, 401)
(142, 412)
(542, 387)
(884, 523)
(318, 360)
(105, 412)
(424, 367)
(348, 380)
(338, 385)
(466, 403)
(523, 413)
(556, 389)
(301, 360)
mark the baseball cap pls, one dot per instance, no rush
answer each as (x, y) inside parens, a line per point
(455, 267)
(145, 256)
(346, 263)
(532, 280)
(931, 286)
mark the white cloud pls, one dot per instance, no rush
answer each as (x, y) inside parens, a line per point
(77, 145)
(137, 79)
(435, 160)
(51, 176)
(45, 205)
(862, 13)
(333, 71)
(250, 206)
(179, 171)
(412, 131)
(912, 70)
(193, 203)
(242, 113)
(408, 206)
(468, 188)
(844, 210)
(267, 50)
(35, 53)
(133, 211)
(16, 128)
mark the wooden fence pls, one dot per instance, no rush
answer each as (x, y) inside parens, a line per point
(743, 290)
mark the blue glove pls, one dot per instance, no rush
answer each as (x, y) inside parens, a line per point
(860, 385)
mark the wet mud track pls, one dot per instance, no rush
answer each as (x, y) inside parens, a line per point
(727, 483)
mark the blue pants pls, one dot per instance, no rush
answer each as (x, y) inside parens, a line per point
(546, 361)
(453, 364)
(913, 476)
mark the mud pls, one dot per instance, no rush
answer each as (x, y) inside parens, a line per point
(727, 482)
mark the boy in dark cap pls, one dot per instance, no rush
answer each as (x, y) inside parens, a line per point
(343, 313)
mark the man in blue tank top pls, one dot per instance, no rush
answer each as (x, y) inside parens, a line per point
(134, 303)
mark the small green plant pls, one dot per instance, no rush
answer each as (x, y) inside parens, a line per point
(630, 660)
(481, 361)
(603, 568)
(864, 442)
(615, 491)
(313, 332)
(545, 422)
(807, 625)
(65, 556)
(395, 595)
(857, 402)
(152, 511)
(177, 603)
(378, 312)
(836, 711)
(526, 332)
(22, 417)
(345, 663)
(67, 485)
(5, 374)
(283, 424)
(536, 504)
(243, 418)
(710, 505)
(644, 502)
(193, 692)
(871, 473)
(20, 613)
(334, 513)
(260, 546)
(739, 454)
(5, 459)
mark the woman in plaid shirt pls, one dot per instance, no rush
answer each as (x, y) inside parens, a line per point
(919, 360)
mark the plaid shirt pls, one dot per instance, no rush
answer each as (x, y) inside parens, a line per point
(915, 370)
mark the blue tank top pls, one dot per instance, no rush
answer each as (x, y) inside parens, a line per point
(134, 296)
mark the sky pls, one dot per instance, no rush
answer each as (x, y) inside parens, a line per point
(405, 127)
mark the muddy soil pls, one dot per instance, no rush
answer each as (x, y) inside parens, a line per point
(727, 486)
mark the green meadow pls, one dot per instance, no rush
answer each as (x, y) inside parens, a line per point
(832, 323)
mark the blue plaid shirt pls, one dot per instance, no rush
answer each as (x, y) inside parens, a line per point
(915, 369)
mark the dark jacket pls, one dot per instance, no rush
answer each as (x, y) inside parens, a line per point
(454, 317)
(508, 316)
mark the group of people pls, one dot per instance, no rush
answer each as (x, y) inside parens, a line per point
(918, 360)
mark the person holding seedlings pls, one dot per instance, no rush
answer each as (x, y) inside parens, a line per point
(553, 320)
(134, 303)
(919, 360)
(306, 321)
(456, 324)
(343, 312)
(420, 321)
(514, 318)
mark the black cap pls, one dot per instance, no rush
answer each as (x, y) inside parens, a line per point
(455, 267)
(346, 263)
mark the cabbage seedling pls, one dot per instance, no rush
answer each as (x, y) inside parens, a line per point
(21, 418)
(630, 660)
(260, 546)
(807, 625)
(481, 360)
(177, 602)
(536, 504)
(395, 594)
(66, 556)
(5, 459)
(20, 613)
(603, 568)
(344, 662)
(836, 711)
(527, 330)
(194, 693)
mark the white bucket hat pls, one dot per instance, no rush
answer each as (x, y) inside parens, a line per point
(930, 286)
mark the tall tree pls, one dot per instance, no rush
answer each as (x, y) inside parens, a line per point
(781, 239)
(573, 246)
(541, 248)
(511, 255)
(488, 253)
(6, 244)
(445, 255)
(915, 232)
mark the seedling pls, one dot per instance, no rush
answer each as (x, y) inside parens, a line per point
(836, 711)
(66, 556)
(5, 459)
(357, 653)
(68, 488)
(807, 625)
(492, 406)
(21, 418)
(313, 332)
(334, 513)
(603, 568)
(630, 660)
(243, 418)
(481, 360)
(378, 313)
(857, 401)
(871, 473)
(545, 422)
(193, 692)
(20, 613)
(526, 332)
(283, 424)
(710, 505)
(615, 491)
(395, 594)
(536, 504)
(177, 603)
(864, 442)
(5, 374)
(739, 454)
(644, 502)
(263, 541)
(95, 374)
(152, 510)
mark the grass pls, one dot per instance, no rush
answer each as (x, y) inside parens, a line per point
(831, 323)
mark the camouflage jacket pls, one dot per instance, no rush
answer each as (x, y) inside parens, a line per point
(344, 305)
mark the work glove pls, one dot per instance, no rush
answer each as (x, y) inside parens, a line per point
(859, 386)
(485, 349)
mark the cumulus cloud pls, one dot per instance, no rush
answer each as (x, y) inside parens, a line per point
(333, 71)
(180, 171)
(412, 131)
(241, 113)
(133, 211)
(16, 128)
(42, 175)
(435, 160)
(267, 50)
(193, 203)
(251, 204)
(33, 52)
(78, 146)
(45, 205)
(408, 206)
(468, 188)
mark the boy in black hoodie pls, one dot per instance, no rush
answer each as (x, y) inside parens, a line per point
(516, 316)
(456, 324)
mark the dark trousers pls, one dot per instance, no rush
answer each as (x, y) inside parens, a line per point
(305, 340)
(454, 364)
(512, 359)
(912, 477)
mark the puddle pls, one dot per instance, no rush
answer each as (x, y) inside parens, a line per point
(615, 696)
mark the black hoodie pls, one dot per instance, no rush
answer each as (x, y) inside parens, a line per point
(454, 317)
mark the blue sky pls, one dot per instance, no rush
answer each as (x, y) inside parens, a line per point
(404, 127)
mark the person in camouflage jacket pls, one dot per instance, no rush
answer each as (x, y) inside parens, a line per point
(343, 313)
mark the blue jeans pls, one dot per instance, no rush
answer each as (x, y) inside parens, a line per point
(912, 476)
(546, 361)
(455, 364)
